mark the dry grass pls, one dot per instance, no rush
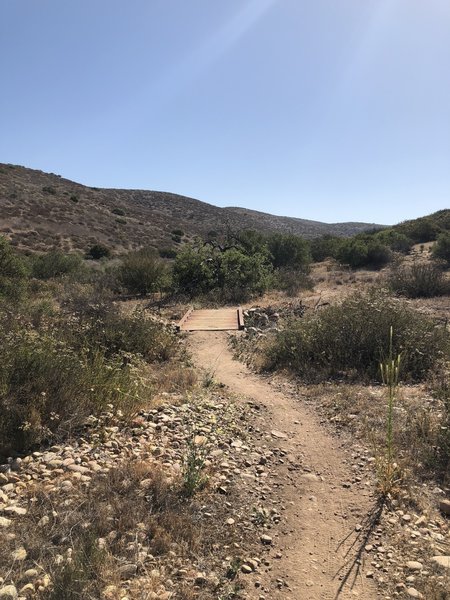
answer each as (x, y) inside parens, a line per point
(174, 377)
(125, 517)
(417, 425)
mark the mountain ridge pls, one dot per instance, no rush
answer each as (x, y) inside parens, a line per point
(42, 210)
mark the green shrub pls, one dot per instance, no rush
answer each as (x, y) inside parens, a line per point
(177, 232)
(420, 230)
(288, 251)
(441, 250)
(48, 189)
(142, 272)
(248, 241)
(195, 270)
(74, 198)
(241, 275)
(349, 340)
(167, 252)
(118, 211)
(420, 280)
(121, 221)
(395, 240)
(98, 251)
(55, 264)
(176, 239)
(232, 274)
(363, 251)
(326, 246)
(13, 271)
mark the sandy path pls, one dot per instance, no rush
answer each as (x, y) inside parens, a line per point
(318, 538)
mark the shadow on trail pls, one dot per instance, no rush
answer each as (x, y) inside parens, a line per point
(352, 567)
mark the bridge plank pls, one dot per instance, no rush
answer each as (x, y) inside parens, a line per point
(222, 319)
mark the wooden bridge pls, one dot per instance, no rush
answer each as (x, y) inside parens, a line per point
(222, 319)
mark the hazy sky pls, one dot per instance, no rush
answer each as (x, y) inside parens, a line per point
(331, 110)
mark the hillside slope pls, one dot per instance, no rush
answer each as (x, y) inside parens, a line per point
(42, 210)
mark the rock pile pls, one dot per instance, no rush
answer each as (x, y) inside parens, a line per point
(232, 507)
(260, 320)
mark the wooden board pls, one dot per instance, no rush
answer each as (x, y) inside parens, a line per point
(222, 319)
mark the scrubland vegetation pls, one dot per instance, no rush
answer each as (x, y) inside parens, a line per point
(72, 351)
(60, 319)
(347, 340)
(67, 349)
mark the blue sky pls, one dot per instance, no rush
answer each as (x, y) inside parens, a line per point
(333, 110)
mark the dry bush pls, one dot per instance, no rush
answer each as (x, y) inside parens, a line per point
(350, 339)
(173, 377)
(48, 388)
(420, 280)
(90, 318)
(292, 281)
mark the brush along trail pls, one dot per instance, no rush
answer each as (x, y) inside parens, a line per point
(317, 551)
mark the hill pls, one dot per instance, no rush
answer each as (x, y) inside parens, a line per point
(425, 229)
(43, 210)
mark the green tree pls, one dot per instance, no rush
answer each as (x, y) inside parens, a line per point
(243, 275)
(289, 251)
(202, 268)
(326, 246)
(395, 240)
(363, 251)
(195, 270)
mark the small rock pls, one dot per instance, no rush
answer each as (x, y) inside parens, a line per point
(278, 434)
(8, 592)
(200, 440)
(4, 522)
(30, 574)
(128, 570)
(444, 506)
(19, 554)
(246, 569)
(414, 565)
(16, 510)
(406, 518)
(266, 539)
(413, 593)
(27, 590)
(200, 579)
(442, 561)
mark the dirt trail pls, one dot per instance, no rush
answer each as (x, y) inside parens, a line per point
(318, 539)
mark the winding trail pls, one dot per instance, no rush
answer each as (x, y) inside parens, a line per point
(327, 519)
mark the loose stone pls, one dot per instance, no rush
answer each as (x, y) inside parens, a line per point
(442, 561)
